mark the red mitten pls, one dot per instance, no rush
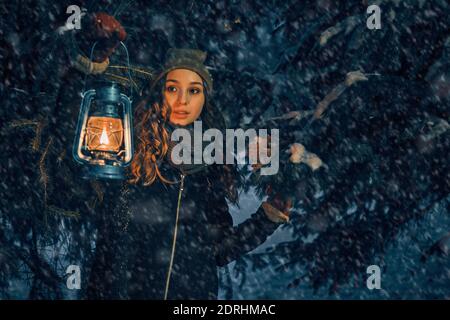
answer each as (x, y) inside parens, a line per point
(103, 29)
(106, 26)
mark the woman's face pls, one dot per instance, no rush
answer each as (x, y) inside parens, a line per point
(184, 93)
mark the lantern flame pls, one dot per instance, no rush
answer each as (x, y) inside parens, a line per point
(104, 134)
(104, 137)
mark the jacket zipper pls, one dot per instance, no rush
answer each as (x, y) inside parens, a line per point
(174, 240)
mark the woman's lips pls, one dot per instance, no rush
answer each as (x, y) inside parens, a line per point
(181, 114)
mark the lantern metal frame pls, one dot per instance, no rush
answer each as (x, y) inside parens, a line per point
(108, 92)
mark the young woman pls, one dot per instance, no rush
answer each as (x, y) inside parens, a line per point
(179, 227)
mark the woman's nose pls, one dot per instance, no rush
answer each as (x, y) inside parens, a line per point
(183, 97)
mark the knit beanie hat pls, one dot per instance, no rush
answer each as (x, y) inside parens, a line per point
(190, 59)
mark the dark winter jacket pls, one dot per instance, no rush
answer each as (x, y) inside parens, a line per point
(206, 239)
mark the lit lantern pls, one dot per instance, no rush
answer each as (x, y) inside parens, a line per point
(103, 140)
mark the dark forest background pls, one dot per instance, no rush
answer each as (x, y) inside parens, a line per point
(370, 107)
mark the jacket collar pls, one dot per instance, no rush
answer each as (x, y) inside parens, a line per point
(186, 169)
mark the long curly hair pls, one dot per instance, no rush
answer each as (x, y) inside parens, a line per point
(152, 115)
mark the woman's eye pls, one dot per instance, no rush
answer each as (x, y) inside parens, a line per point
(194, 91)
(171, 89)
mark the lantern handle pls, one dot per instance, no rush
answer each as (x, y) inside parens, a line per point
(129, 68)
(128, 64)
